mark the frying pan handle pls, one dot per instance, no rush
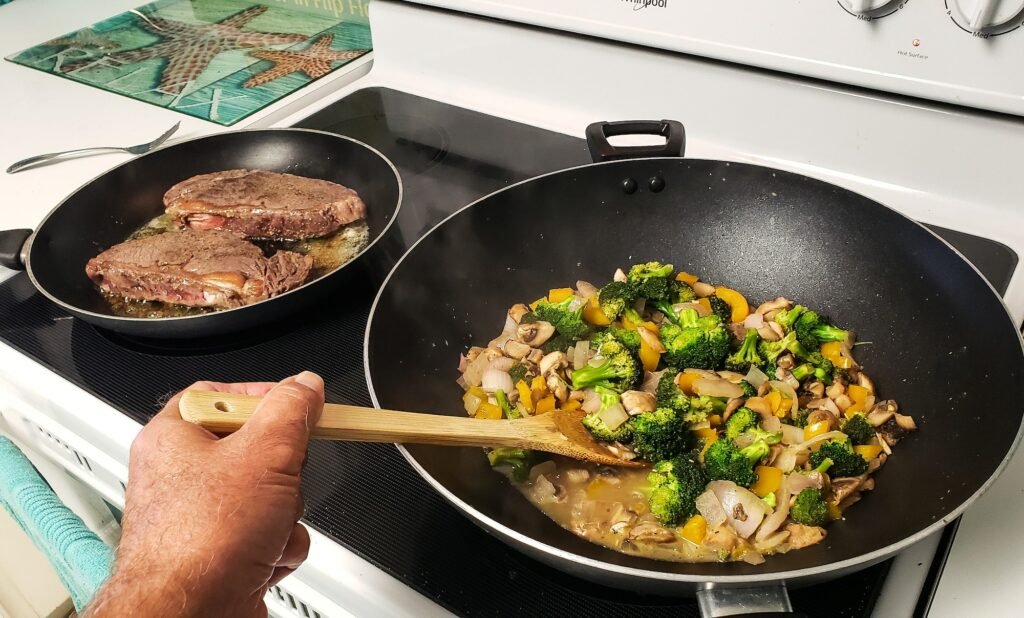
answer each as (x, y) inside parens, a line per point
(12, 247)
(601, 150)
(768, 601)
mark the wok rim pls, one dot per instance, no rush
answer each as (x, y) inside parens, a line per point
(850, 564)
(104, 317)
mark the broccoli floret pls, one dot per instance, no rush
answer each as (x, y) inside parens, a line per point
(675, 486)
(741, 421)
(615, 297)
(669, 395)
(724, 461)
(659, 435)
(506, 408)
(812, 330)
(720, 308)
(641, 272)
(657, 289)
(598, 428)
(786, 319)
(770, 351)
(822, 372)
(517, 460)
(845, 461)
(747, 355)
(568, 322)
(858, 429)
(684, 293)
(703, 407)
(620, 370)
(810, 508)
(518, 372)
(628, 338)
(558, 343)
(801, 417)
(770, 500)
(748, 389)
(696, 342)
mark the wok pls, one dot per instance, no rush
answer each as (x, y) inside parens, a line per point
(106, 210)
(943, 344)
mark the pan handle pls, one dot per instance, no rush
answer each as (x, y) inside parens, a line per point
(768, 601)
(601, 150)
(12, 248)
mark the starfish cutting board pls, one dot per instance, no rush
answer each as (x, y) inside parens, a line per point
(220, 60)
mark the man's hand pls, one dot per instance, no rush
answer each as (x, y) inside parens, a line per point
(209, 524)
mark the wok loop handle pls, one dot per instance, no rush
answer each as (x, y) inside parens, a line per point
(602, 150)
(12, 248)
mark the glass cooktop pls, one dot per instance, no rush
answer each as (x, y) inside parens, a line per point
(362, 495)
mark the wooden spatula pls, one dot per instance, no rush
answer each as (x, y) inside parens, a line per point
(556, 432)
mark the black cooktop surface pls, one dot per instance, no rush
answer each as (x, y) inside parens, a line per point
(365, 496)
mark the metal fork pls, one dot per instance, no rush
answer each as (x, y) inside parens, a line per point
(136, 150)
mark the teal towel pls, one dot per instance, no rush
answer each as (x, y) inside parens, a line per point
(81, 559)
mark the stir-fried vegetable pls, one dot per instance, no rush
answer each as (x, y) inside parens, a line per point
(759, 425)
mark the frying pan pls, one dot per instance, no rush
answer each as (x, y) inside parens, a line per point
(942, 343)
(110, 207)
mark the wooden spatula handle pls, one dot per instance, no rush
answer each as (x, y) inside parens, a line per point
(226, 413)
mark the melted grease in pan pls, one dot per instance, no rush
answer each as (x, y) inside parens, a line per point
(328, 253)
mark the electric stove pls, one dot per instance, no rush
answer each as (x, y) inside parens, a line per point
(365, 496)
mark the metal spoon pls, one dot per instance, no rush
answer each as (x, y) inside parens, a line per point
(137, 150)
(558, 432)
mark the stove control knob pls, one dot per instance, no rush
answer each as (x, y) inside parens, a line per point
(871, 9)
(984, 18)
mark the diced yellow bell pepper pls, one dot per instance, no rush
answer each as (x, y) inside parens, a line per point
(710, 436)
(785, 407)
(592, 313)
(570, 406)
(525, 396)
(768, 480)
(546, 405)
(694, 530)
(600, 488)
(649, 357)
(685, 380)
(833, 350)
(736, 301)
(629, 324)
(815, 429)
(774, 400)
(853, 409)
(715, 420)
(704, 304)
(868, 451)
(857, 393)
(834, 512)
(538, 390)
(687, 278)
(488, 410)
(533, 305)
(557, 295)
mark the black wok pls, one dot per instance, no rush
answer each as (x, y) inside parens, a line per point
(943, 344)
(109, 208)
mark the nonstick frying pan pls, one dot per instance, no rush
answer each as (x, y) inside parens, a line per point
(943, 344)
(110, 207)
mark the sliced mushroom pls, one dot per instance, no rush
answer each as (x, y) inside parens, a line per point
(773, 305)
(651, 340)
(819, 416)
(702, 289)
(759, 405)
(877, 462)
(836, 389)
(816, 389)
(636, 402)
(867, 484)
(576, 395)
(764, 389)
(768, 333)
(535, 334)
(619, 275)
(733, 405)
(906, 422)
(558, 387)
(892, 432)
(786, 361)
(516, 349)
(843, 402)
(517, 312)
(721, 538)
(844, 487)
(586, 289)
(886, 449)
(473, 353)
(882, 412)
(865, 381)
(777, 328)
(649, 532)
(801, 536)
(553, 362)
(493, 353)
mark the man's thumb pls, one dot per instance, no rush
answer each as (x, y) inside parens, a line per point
(285, 416)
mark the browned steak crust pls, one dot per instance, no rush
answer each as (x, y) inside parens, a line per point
(200, 269)
(261, 204)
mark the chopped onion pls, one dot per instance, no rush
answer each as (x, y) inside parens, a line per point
(704, 373)
(651, 379)
(753, 557)
(791, 434)
(475, 371)
(771, 423)
(756, 377)
(462, 382)
(614, 416)
(786, 460)
(717, 387)
(548, 467)
(789, 392)
(701, 310)
(543, 491)
(736, 500)
(731, 376)
(471, 402)
(591, 401)
(754, 320)
(795, 483)
(463, 363)
(577, 303)
(503, 363)
(586, 289)
(596, 361)
(710, 508)
(774, 521)
(580, 354)
(495, 379)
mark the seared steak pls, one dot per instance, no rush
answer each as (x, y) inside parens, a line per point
(259, 204)
(199, 269)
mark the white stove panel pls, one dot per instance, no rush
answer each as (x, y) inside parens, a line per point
(960, 51)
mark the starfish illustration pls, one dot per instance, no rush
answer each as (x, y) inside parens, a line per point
(315, 61)
(84, 39)
(189, 48)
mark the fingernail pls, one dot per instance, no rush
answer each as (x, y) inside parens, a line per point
(310, 380)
